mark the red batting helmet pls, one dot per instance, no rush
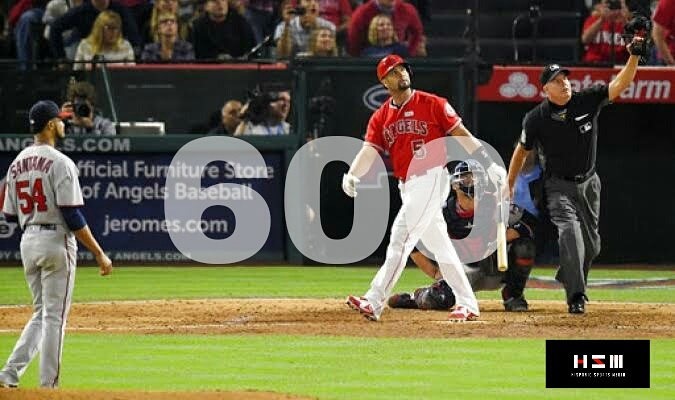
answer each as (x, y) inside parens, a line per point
(390, 62)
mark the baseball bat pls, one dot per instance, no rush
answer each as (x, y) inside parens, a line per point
(502, 257)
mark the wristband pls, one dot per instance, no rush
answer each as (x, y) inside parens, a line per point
(481, 155)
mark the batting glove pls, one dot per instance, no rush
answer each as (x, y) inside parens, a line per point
(349, 182)
(497, 174)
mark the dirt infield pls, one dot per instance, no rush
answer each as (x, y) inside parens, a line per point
(545, 319)
(326, 317)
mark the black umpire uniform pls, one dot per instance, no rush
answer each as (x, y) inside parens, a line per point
(567, 136)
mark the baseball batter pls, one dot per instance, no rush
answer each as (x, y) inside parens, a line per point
(43, 194)
(468, 184)
(403, 125)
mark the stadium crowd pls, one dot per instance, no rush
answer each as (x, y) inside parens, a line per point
(78, 34)
(133, 31)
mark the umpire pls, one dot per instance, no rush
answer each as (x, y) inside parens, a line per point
(565, 125)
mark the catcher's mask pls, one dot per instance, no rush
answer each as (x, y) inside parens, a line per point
(470, 177)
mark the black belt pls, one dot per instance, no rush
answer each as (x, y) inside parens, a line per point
(45, 227)
(581, 178)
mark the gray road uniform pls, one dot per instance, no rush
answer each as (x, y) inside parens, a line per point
(40, 181)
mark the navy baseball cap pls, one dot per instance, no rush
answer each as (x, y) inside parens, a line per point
(42, 112)
(551, 71)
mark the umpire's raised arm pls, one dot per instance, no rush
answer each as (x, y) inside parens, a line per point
(636, 49)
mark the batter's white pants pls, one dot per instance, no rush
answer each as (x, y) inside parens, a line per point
(421, 218)
(49, 259)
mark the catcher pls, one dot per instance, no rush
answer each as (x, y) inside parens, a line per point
(468, 178)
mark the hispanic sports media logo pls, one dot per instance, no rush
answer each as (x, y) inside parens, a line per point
(615, 361)
(597, 363)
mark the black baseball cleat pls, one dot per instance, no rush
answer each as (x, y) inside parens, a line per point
(578, 304)
(515, 304)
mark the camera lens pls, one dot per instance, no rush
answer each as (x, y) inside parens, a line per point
(82, 109)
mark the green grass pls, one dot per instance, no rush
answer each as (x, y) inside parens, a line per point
(142, 283)
(326, 367)
(331, 367)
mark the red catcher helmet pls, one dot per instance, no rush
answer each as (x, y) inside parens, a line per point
(390, 62)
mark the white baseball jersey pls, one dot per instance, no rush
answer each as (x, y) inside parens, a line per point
(39, 181)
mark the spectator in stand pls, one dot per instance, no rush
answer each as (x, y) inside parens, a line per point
(105, 42)
(292, 34)
(168, 46)
(321, 44)
(229, 119)
(407, 24)
(221, 33)
(139, 10)
(261, 14)
(602, 28)
(29, 12)
(55, 10)
(339, 12)
(382, 39)
(188, 11)
(150, 32)
(663, 31)
(81, 19)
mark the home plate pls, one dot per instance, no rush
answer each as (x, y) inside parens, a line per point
(446, 322)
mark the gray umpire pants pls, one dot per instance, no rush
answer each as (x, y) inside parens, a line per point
(575, 210)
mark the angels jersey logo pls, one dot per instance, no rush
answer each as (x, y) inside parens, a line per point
(404, 126)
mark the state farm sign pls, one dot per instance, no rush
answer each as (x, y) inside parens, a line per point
(515, 83)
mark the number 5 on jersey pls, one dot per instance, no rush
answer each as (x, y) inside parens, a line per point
(418, 149)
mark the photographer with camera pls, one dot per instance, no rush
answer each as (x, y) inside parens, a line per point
(602, 32)
(81, 102)
(292, 34)
(265, 114)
